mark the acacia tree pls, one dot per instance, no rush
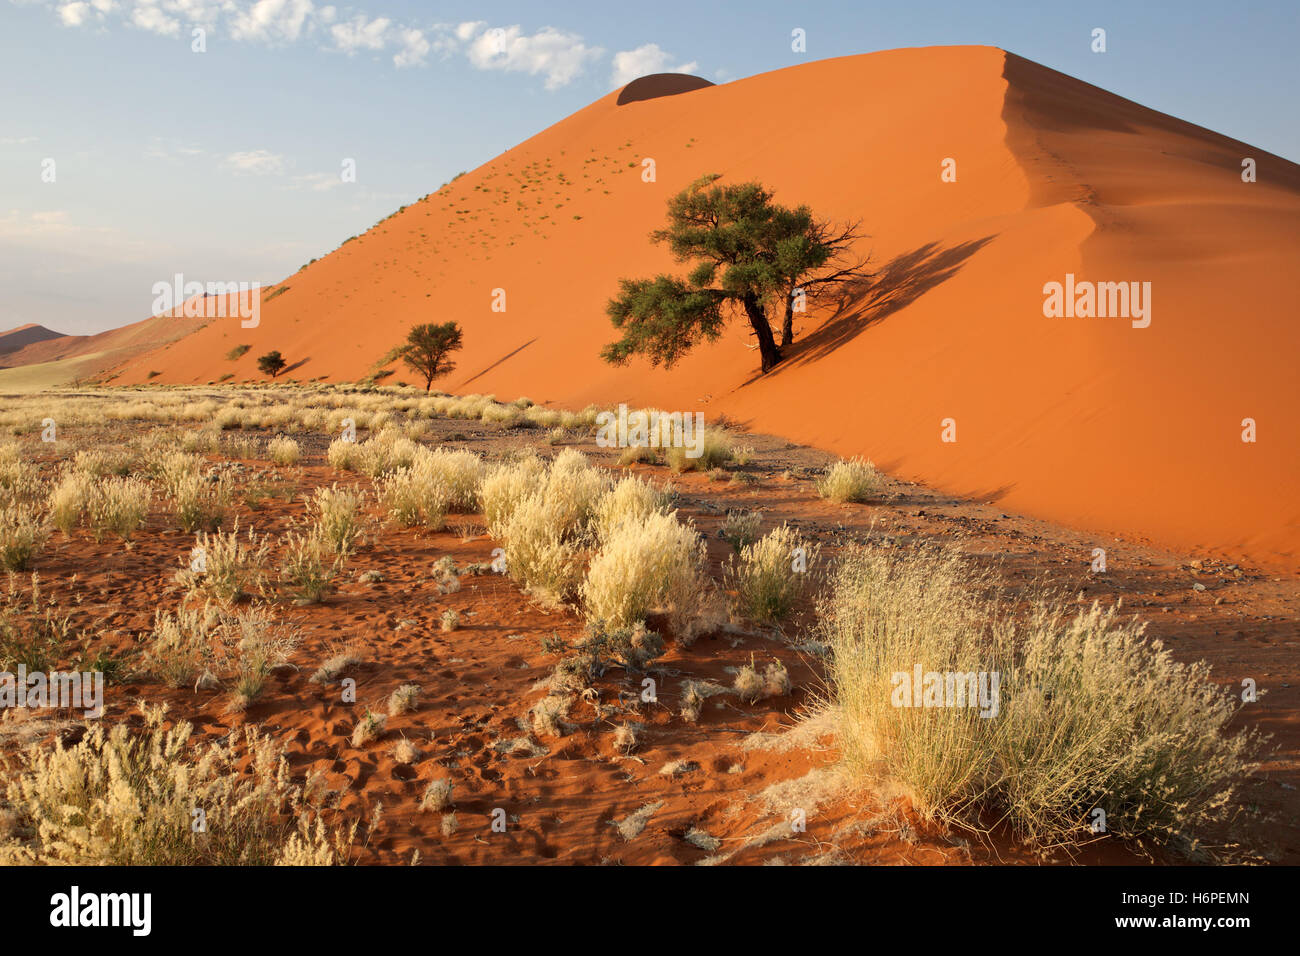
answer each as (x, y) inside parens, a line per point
(746, 252)
(843, 264)
(428, 347)
(272, 364)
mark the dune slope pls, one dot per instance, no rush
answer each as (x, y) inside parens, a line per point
(1086, 421)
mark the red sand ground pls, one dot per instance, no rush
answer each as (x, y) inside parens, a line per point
(563, 797)
(1088, 422)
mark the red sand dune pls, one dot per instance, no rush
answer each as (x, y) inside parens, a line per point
(113, 346)
(21, 336)
(1085, 421)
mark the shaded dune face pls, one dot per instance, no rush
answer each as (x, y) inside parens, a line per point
(1085, 421)
(25, 335)
(660, 84)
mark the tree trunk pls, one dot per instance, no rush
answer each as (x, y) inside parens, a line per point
(787, 327)
(767, 348)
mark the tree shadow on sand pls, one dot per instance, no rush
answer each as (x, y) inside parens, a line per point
(860, 305)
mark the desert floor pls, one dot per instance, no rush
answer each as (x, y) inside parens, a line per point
(718, 790)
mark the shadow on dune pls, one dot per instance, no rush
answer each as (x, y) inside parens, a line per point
(860, 305)
(660, 84)
(483, 372)
(296, 365)
(1040, 100)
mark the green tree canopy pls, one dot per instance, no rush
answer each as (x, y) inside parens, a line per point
(428, 347)
(272, 364)
(746, 253)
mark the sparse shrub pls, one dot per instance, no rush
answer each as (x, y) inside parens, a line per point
(119, 506)
(120, 797)
(199, 502)
(740, 528)
(776, 680)
(633, 647)
(242, 447)
(405, 752)
(503, 487)
(416, 495)
(502, 415)
(459, 473)
(182, 643)
(770, 575)
(404, 700)
(538, 555)
(343, 455)
(692, 702)
(625, 738)
(1089, 713)
(749, 684)
(22, 536)
(69, 500)
(450, 619)
(229, 418)
(630, 500)
(336, 515)
(854, 479)
(369, 728)
(283, 450)
(715, 451)
(334, 668)
(310, 564)
(32, 632)
(652, 565)
(232, 569)
(634, 454)
(437, 796)
(100, 462)
(548, 715)
(258, 643)
(386, 452)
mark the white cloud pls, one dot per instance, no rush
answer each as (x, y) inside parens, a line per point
(360, 34)
(271, 21)
(317, 182)
(150, 17)
(257, 162)
(73, 14)
(560, 56)
(644, 60)
(466, 31)
(414, 47)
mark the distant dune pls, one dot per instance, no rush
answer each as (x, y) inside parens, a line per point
(58, 359)
(1087, 421)
(24, 335)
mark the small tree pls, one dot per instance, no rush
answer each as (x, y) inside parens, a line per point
(747, 253)
(428, 347)
(271, 363)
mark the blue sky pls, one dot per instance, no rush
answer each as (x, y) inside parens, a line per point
(224, 165)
